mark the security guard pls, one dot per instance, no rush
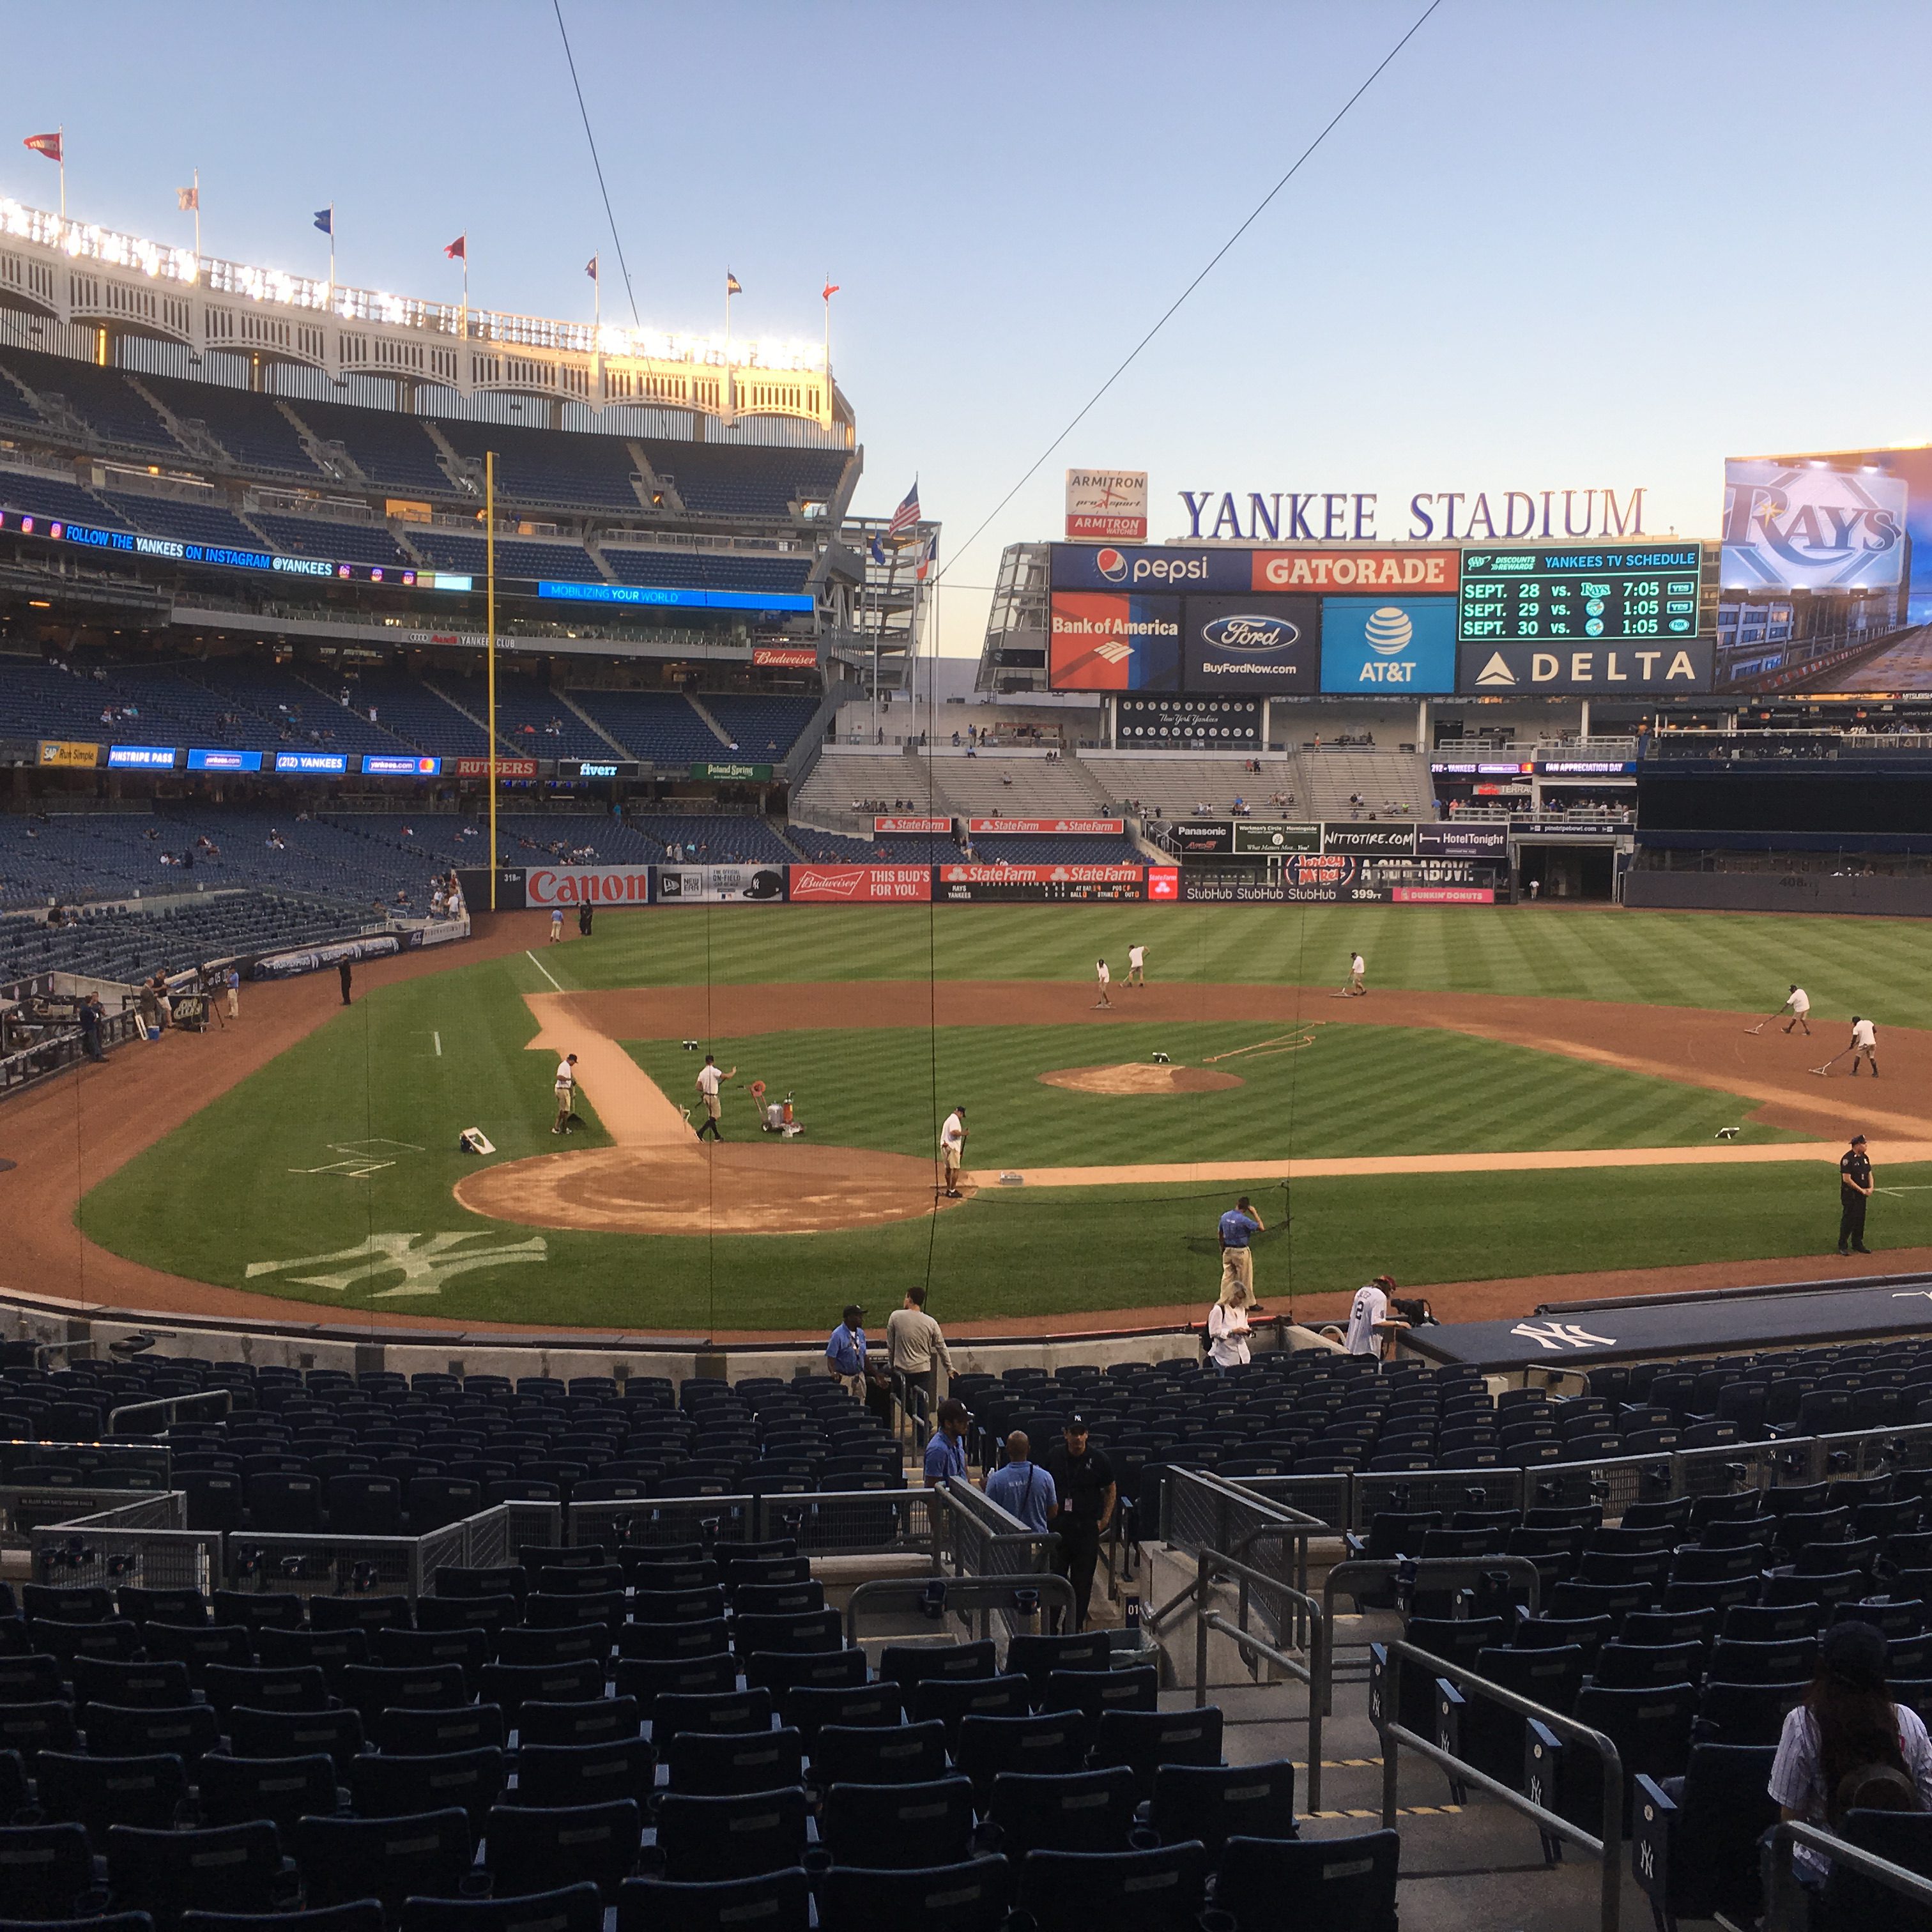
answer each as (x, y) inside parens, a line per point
(1855, 1187)
(1084, 1479)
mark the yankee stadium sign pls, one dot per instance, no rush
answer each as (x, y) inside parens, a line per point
(1331, 516)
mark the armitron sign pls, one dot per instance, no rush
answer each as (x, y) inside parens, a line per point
(1106, 506)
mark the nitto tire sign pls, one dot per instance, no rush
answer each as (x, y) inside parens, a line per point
(1389, 841)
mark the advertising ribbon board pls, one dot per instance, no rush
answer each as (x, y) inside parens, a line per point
(1464, 841)
(718, 885)
(1195, 838)
(1097, 828)
(69, 752)
(994, 883)
(1254, 644)
(942, 826)
(1265, 839)
(732, 774)
(861, 885)
(506, 768)
(1391, 842)
(1410, 573)
(784, 657)
(1106, 505)
(582, 885)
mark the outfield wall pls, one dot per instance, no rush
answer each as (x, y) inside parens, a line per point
(1879, 897)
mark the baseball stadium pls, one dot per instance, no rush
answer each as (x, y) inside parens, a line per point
(584, 1132)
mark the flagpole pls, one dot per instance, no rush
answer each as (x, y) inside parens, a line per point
(197, 220)
(331, 258)
(61, 134)
(728, 400)
(489, 585)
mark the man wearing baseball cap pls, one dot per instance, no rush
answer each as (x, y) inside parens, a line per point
(1855, 1187)
(1083, 1478)
(845, 1351)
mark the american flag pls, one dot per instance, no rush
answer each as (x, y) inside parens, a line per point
(906, 516)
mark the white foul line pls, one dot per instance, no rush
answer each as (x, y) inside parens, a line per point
(541, 968)
(438, 1038)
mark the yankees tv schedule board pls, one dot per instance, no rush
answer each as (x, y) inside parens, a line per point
(1640, 594)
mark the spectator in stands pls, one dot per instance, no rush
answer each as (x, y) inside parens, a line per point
(916, 1348)
(1227, 1336)
(1083, 1478)
(1021, 1487)
(946, 1448)
(1848, 1746)
(845, 1351)
(92, 1013)
(1368, 1316)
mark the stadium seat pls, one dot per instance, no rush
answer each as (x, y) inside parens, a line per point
(383, 1786)
(971, 1897)
(898, 1826)
(342, 1860)
(556, 1776)
(1073, 1811)
(531, 1849)
(1331, 1885)
(1159, 1890)
(232, 1790)
(703, 1840)
(575, 1908)
(719, 1764)
(1695, 1844)
(776, 1901)
(98, 1792)
(232, 1867)
(45, 1870)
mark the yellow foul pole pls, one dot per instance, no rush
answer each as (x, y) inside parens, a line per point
(490, 583)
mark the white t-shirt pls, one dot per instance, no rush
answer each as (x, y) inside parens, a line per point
(566, 1076)
(1136, 957)
(1863, 1034)
(710, 1079)
(1227, 1336)
(953, 1135)
(1100, 971)
(1369, 1306)
(1800, 1001)
(1355, 965)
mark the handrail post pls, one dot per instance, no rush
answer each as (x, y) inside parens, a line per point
(1321, 1694)
(1390, 1710)
(1201, 1565)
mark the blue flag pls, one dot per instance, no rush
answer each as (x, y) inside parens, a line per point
(878, 551)
(325, 219)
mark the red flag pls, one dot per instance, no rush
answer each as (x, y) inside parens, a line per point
(48, 145)
(830, 289)
(458, 250)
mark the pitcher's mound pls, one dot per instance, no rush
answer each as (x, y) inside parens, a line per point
(742, 1187)
(1132, 1078)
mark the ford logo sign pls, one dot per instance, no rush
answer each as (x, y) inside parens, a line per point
(1255, 633)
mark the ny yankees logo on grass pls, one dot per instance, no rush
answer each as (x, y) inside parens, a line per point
(424, 1261)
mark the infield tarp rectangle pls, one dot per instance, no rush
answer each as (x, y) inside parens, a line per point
(1562, 1335)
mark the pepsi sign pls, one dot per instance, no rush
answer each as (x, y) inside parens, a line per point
(1403, 645)
(1148, 568)
(1262, 646)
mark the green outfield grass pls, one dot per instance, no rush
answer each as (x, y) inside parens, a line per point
(1874, 967)
(259, 1177)
(1356, 1089)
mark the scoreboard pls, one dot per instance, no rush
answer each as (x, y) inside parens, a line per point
(1621, 596)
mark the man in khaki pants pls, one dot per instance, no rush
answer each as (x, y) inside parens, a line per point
(1239, 1226)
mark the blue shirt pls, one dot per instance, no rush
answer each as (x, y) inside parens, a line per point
(945, 1457)
(1025, 1490)
(846, 1350)
(1236, 1227)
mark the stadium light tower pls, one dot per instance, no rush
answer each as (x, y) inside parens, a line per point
(489, 643)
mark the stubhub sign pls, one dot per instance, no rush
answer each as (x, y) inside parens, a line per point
(1399, 644)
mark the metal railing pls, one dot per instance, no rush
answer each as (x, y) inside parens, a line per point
(1020, 1601)
(1211, 1568)
(169, 1406)
(1606, 1845)
(845, 1522)
(1201, 1512)
(986, 1541)
(144, 1544)
(1785, 1907)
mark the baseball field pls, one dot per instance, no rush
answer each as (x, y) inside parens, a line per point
(1524, 1094)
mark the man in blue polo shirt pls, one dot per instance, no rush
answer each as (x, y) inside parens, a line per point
(845, 1351)
(1239, 1226)
(1022, 1487)
(945, 1449)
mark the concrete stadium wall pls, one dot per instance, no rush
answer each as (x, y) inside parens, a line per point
(1778, 891)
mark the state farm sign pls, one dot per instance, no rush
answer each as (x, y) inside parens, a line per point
(943, 826)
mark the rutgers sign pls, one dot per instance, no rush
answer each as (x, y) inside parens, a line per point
(506, 768)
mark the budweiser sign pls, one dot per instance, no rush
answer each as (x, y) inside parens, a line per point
(506, 768)
(1095, 828)
(861, 885)
(785, 657)
(943, 826)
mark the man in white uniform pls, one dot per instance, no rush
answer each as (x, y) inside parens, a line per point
(952, 1150)
(1101, 974)
(1356, 969)
(1799, 1005)
(1136, 963)
(1368, 1318)
(709, 1081)
(1863, 1046)
(566, 1093)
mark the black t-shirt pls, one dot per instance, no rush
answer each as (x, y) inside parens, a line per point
(1854, 1174)
(1082, 1481)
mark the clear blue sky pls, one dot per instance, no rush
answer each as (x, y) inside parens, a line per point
(1560, 242)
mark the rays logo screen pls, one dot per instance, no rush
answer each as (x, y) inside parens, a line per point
(1400, 644)
(1254, 646)
(1104, 640)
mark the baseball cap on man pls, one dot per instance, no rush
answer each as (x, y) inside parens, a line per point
(1858, 1140)
(854, 1315)
(1074, 1425)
